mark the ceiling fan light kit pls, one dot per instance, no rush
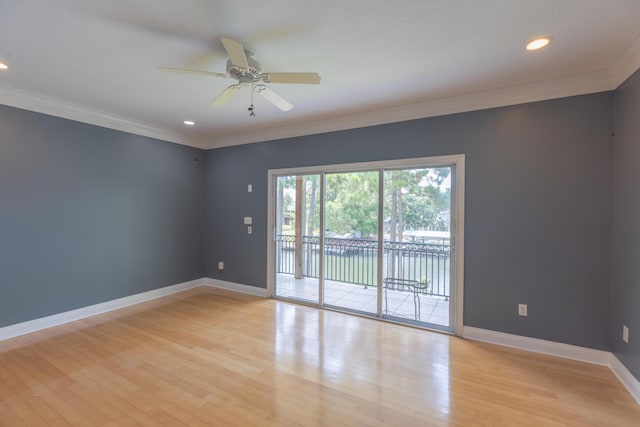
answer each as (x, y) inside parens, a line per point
(247, 70)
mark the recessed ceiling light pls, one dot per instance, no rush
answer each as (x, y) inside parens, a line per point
(3, 66)
(539, 43)
(189, 122)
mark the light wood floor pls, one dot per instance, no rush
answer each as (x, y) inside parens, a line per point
(207, 357)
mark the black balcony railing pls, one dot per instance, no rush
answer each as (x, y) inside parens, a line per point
(355, 261)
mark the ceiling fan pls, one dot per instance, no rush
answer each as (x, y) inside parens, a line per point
(243, 67)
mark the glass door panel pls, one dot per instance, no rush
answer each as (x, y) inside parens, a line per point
(297, 237)
(417, 246)
(351, 241)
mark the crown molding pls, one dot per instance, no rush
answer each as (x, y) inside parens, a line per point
(627, 63)
(593, 82)
(599, 81)
(54, 107)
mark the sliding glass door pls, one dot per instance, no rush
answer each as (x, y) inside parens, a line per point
(376, 241)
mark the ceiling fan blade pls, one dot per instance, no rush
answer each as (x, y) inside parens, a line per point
(273, 97)
(225, 96)
(198, 72)
(235, 50)
(303, 78)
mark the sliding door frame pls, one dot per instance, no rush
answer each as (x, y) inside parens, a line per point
(457, 164)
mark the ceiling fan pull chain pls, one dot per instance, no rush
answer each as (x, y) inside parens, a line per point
(251, 112)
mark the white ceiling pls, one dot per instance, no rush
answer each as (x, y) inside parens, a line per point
(380, 60)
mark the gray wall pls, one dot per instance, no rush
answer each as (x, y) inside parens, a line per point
(625, 283)
(89, 214)
(538, 208)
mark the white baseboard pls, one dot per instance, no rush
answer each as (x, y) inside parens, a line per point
(35, 325)
(565, 351)
(626, 378)
(236, 287)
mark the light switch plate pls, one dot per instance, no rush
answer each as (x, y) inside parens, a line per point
(248, 220)
(522, 309)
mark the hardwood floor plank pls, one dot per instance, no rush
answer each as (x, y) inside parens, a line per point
(210, 357)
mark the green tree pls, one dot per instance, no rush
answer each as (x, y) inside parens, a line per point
(352, 203)
(413, 200)
(424, 200)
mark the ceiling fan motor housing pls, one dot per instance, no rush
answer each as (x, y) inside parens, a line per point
(250, 74)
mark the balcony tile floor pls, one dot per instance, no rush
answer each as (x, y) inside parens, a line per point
(433, 309)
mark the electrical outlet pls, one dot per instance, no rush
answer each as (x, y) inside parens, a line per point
(625, 334)
(249, 230)
(221, 265)
(249, 188)
(522, 309)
